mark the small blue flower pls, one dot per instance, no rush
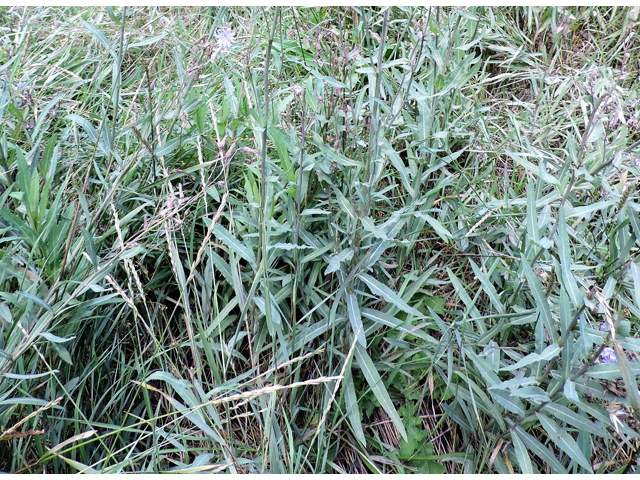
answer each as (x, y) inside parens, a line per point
(297, 90)
(225, 38)
(608, 355)
(19, 85)
(604, 327)
(637, 162)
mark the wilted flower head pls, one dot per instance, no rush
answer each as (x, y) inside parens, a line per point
(297, 90)
(225, 38)
(608, 355)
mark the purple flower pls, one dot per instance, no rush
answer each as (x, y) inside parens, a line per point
(637, 162)
(608, 355)
(225, 38)
(297, 90)
(603, 327)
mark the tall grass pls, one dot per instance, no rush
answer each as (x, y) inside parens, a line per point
(319, 240)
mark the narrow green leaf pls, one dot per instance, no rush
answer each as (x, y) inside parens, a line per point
(532, 216)
(564, 441)
(355, 319)
(54, 338)
(522, 455)
(26, 376)
(564, 250)
(628, 376)
(398, 164)
(353, 408)
(81, 467)
(488, 287)
(635, 273)
(194, 412)
(35, 299)
(548, 353)
(345, 205)
(470, 304)
(541, 300)
(378, 388)
(234, 244)
(532, 393)
(504, 398)
(385, 292)
(538, 171)
(38, 402)
(611, 371)
(437, 226)
(336, 260)
(90, 246)
(574, 419)
(391, 321)
(100, 37)
(275, 315)
(545, 453)
(586, 210)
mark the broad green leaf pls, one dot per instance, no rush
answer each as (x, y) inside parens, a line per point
(564, 441)
(385, 292)
(570, 391)
(377, 387)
